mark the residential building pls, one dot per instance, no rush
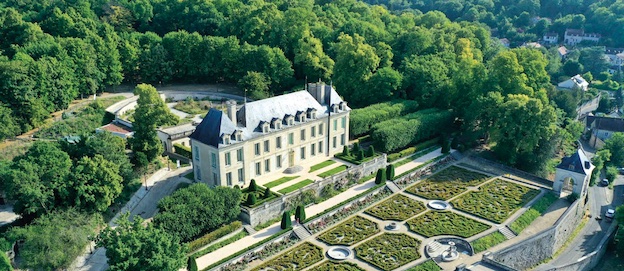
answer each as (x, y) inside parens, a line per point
(575, 36)
(563, 52)
(602, 128)
(505, 42)
(535, 45)
(615, 57)
(551, 38)
(575, 82)
(176, 135)
(269, 136)
(572, 175)
(118, 127)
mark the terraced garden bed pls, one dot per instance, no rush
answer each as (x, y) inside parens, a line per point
(487, 241)
(429, 265)
(335, 266)
(296, 186)
(260, 199)
(447, 183)
(496, 201)
(389, 251)
(280, 181)
(350, 232)
(297, 258)
(434, 223)
(321, 165)
(397, 208)
(538, 209)
(333, 171)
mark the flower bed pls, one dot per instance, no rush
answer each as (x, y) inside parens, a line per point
(422, 170)
(435, 223)
(398, 207)
(334, 266)
(350, 232)
(265, 252)
(487, 241)
(343, 212)
(429, 265)
(389, 251)
(447, 183)
(496, 201)
(297, 258)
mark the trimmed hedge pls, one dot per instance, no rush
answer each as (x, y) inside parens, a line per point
(337, 266)
(183, 150)
(297, 258)
(397, 207)
(429, 265)
(363, 119)
(434, 223)
(214, 235)
(411, 150)
(350, 232)
(389, 251)
(394, 134)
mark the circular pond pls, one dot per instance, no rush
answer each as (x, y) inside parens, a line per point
(393, 226)
(439, 205)
(339, 252)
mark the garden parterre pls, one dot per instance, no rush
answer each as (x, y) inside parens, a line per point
(496, 201)
(297, 258)
(398, 207)
(447, 183)
(389, 251)
(335, 266)
(350, 232)
(435, 223)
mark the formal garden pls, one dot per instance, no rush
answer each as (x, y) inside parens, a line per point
(298, 258)
(429, 265)
(434, 223)
(254, 195)
(350, 232)
(336, 266)
(495, 201)
(389, 251)
(447, 183)
(398, 207)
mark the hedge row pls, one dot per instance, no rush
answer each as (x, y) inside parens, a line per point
(400, 132)
(411, 150)
(363, 119)
(182, 150)
(214, 235)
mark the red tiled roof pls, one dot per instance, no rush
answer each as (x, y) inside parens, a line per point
(115, 128)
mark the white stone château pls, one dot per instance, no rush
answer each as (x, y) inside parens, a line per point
(268, 136)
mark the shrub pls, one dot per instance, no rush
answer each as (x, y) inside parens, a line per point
(411, 150)
(300, 213)
(390, 172)
(446, 146)
(435, 223)
(455, 142)
(361, 120)
(488, 241)
(182, 150)
(398, 207)
(253, 187)
(214, 235)
(356, 147)
(192, 264)
(5, 263)
(371, 151)
(267, 193)
(389, 251)
(360, 155)
(286, 223)
(381, 176)
(350, 232)
(345, 150)
(611, 173)
(251, 199)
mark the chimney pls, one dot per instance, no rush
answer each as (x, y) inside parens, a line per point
(231, 111)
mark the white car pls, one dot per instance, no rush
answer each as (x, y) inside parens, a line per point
(610, 214)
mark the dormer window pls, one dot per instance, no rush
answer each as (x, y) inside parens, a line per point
(265, 127)
(342, 106)
(334, 108)
(301, 116)
(276, 124)
(571, 167)
(290, 120)
(238, 135)
(311, 113)
(225, 139)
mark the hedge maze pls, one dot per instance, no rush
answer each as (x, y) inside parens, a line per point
(447, 183)
(297, 258)
(350, 232)
(335, 266)
(435, 223)
(389, 251)
(398, 207)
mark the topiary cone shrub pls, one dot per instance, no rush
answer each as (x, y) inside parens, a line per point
(356, 147)
(286, 223)
(371, 151)
(267, 193)
(251, 199)
(381, 176)
(446, 146)
(455, 142)
(360, 155)
(192, 264)
(300, 215)
(253, 187)
(345, 150)
(390, 172)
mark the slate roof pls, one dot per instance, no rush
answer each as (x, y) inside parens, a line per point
(606, 123)
(212, 127)
(577, 162)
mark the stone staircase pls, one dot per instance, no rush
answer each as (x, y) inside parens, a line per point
(301, 232)
(393, 187)
(507, 232)
(249, 229)
(433, 247)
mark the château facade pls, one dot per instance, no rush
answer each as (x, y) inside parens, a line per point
(269, 136)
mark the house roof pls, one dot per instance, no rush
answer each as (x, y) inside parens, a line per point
(179, 129)
(613, 51)
(579, 80)
(562, 50)
(577, 162)
(606, 123)
(116, 128)
(551, 34)
(572, 31)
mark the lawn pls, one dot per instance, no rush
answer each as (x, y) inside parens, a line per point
(336, 266)
(447, 183)
(429, 265)
(435, 223)
(321, 165)
(389, 251)
(350, 232)
(260, 199)
(488, 241)
(538, 209)
(280, 181)
(495, 201)
(333, 171)
(297, 258)
(193, 107)
(296, 186)
(398, 207)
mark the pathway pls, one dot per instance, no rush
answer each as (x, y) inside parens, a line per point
(417, 162)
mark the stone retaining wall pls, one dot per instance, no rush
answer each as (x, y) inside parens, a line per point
(275, 208)
(248, 253)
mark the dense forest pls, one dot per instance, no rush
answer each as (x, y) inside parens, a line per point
(528, 20)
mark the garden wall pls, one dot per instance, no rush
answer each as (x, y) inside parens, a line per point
(275, 208)
(500, 169)
(532, 251)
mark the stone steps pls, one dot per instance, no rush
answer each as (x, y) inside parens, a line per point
(433, 246)
(301, 232)
(393, 187)
(507, 232)
(249, 229)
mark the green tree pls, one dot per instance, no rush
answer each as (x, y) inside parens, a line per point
(151, 112)
(133, 246)
(371, 151)
(506, 75)
(54, 240)
(112, 148)
(255, 84)
(345, 150)
(310, 60)
(192, 264)
(9, 127)
(286, 222)
(615, 145)
(94, 184)
(355, 63)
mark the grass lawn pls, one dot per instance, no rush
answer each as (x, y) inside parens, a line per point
(221, 244)
(496, 201)
(447, 183)
(535, 211)
(435, 223)
(295, 186)
(280, 181)
(297, 258)
(488, 241)
(321, 165)
(350, 232)
(336, 266)
(333, 171)
(429, 265)
(389, 251)
(193, 107)
(398, 207)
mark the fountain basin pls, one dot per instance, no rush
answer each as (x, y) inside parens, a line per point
(393, 226)
(439, 205)
(339, 253)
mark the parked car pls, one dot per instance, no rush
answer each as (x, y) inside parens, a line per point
(604, 182)
(610, 214)
(621, 170)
